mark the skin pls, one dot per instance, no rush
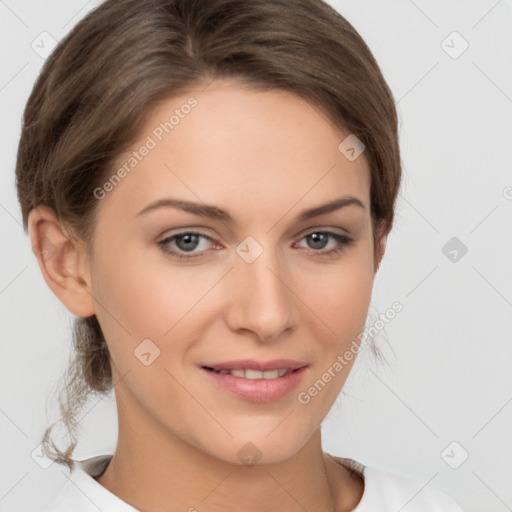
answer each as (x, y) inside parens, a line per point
(264, 156)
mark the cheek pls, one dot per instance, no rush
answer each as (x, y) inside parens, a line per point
(339, 298)
(126, 292)
(135, 291)
(340, 295)
(141, 297)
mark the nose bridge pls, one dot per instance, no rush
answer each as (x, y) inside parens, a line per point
(262, 302)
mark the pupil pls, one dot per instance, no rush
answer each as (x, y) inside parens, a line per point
(189, 238)
(318, 238)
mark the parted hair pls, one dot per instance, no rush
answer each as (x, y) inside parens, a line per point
(95, 89)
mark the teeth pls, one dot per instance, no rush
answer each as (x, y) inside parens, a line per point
(257, 374)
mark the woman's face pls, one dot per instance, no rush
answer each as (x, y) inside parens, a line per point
(252, 276)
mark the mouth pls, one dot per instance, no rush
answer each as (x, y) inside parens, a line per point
(256, 384)
(253, 374)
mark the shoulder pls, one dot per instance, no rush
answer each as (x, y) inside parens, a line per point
(396, 491)
(388, 491)
(82, 493)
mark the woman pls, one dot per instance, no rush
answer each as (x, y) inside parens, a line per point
(208, 186)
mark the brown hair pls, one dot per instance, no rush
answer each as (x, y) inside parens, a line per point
(94, 90)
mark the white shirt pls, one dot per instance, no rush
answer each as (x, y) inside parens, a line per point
(384, 491)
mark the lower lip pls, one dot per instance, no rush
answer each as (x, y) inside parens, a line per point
(258, 390)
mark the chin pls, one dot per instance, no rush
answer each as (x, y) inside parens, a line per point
(247, 450)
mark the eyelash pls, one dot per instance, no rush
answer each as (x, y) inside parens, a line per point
(342, 243)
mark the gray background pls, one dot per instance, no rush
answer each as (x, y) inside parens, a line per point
(448, 377)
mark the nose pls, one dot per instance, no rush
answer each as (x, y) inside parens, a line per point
(262, 299)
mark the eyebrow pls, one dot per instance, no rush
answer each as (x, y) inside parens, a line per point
(214, 212)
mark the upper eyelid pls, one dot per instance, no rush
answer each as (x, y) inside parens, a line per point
(197, 231)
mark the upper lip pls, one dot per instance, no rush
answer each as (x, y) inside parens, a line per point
(243, 364)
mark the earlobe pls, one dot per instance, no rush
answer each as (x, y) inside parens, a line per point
(63, 261)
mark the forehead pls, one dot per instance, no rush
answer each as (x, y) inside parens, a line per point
(229, 144)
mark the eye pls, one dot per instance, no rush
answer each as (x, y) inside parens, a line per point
(319, 240)
(190, 245)
(184, 245)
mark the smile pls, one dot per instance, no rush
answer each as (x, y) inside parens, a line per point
(250, 373)
(256, 385)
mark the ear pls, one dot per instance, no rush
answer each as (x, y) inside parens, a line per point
(62, 260)
(380, 244)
